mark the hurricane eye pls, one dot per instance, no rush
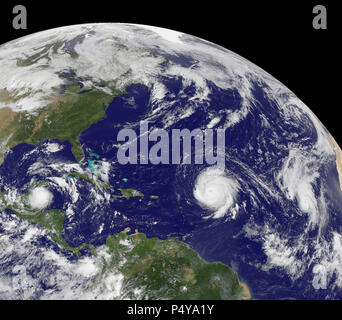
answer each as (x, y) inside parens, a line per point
(216, 191)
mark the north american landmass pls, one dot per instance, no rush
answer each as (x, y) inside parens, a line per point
(64, 118)
(65, 85)
(167, 269)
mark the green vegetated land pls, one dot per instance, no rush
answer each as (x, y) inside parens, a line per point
(53, 221)
(64, 118)
(163, 269)
(129, 193)
(169, 269)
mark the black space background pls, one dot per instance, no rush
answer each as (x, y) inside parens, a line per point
(277, 36)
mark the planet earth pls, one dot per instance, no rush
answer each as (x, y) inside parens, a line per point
(75, 223)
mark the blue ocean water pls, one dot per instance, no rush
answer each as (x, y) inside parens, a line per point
(176, 213)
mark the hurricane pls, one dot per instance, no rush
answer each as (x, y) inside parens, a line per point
(262, 219)
(40, 198)
(216, 191)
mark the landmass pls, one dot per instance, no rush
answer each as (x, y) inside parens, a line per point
(337, 150)
(129, 193)
(64, 118)
(169, 269)
(162, 269)
(338, 153)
